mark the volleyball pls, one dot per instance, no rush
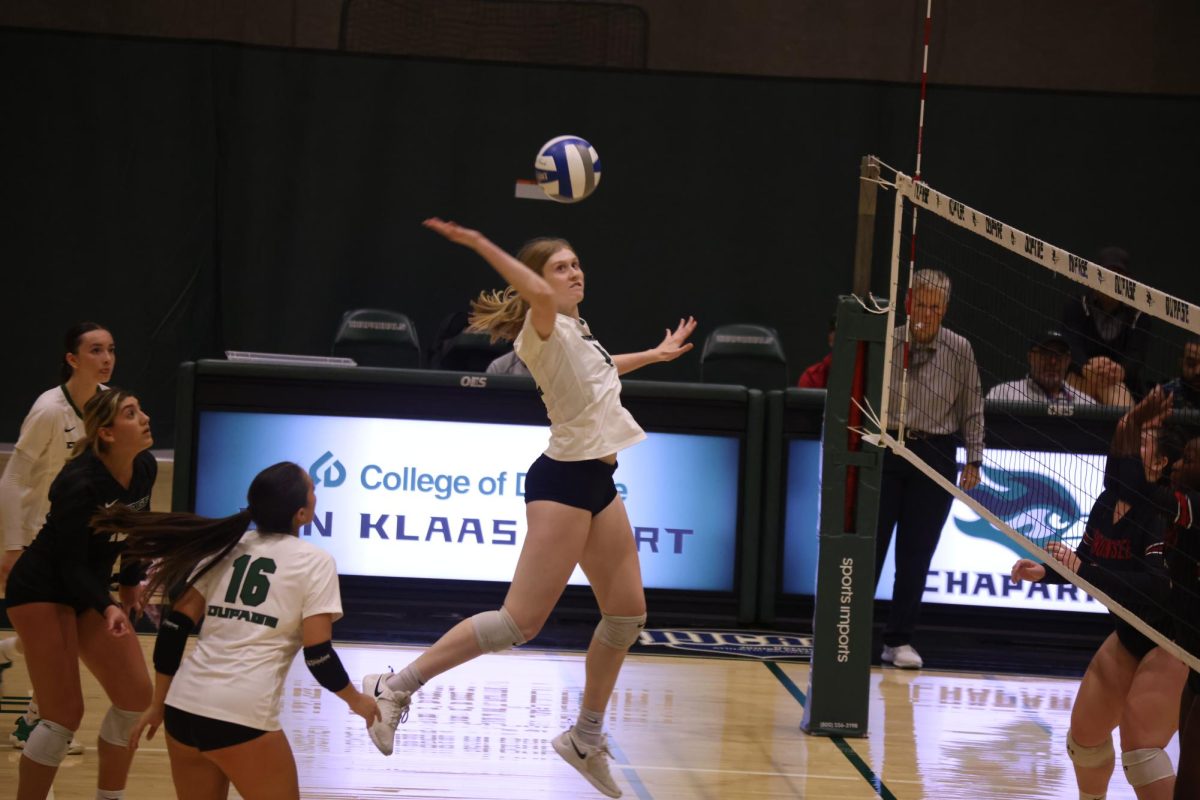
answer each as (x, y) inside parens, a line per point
(567, 168)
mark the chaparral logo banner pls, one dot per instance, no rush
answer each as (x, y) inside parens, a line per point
(763, 645)
(1042, 496)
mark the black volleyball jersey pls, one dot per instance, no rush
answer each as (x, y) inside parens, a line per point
(1124, 558)
(1177, 507)
(84, 559)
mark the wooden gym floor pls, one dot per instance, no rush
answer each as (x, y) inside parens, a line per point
(680, 727)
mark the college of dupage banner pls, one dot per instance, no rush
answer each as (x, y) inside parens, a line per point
(1040, 495)
(435, 499)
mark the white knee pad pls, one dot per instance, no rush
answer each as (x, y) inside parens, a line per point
(619, 633)
(496, 631)
(117, 725)
(1096, 756)
(48, 743)
(1146, 766)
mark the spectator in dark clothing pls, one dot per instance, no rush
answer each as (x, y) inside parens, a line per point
(1108, 340)
(1186, 388)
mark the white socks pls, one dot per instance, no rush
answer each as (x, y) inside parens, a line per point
(589, 728)
(406, 680)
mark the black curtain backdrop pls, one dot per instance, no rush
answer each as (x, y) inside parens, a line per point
(197, 197)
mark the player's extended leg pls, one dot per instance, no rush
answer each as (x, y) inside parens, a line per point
(1097, 710)
(51, 654)
(610, 562)
(1148, 721)
(120, 668)
(553, 546)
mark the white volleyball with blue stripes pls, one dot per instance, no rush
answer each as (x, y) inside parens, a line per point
(567, 168)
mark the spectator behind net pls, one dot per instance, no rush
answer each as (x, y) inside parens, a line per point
(1108, 340)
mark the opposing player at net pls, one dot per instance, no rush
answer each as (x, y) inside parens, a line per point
(574, 514)
(1130, 683)
(1177, 504)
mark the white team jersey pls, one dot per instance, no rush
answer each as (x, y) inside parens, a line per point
(48, 436)
(581, 390)
(255, 601)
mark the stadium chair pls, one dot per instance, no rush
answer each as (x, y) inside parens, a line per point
(377, 337)
(470, 352)
(749, 355)
(456, 349)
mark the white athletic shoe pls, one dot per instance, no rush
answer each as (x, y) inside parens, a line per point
(902, 657)
(393, 709)
(590, 760)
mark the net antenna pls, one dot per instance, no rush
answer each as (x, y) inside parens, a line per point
(992, 264)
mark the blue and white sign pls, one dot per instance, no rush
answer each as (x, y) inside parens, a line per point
(1040, 495)
(433, 499)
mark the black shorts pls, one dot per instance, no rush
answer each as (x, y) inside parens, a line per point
(1132, 639)
(1193, 682)
(36, 579)
(581, 484)
(205, 733)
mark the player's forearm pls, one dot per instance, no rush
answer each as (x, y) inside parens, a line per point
(531, 286)
(628, 362)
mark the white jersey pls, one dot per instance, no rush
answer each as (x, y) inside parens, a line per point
(48, 436)
(581, 390)
(255, 601)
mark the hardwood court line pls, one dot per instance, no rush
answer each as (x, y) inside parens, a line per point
(629, 771)
(855, 760)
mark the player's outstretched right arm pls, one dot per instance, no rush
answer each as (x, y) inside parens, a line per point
(531, 286)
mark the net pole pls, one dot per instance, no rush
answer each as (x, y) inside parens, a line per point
(868, 188)
(889, 336)
(924, 85)
(912, 253)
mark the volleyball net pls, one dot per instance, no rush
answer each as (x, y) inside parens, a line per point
(1048, 333)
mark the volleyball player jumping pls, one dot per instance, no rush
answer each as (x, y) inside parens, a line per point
(574, 515)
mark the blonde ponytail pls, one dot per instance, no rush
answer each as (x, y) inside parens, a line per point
(501, 314)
